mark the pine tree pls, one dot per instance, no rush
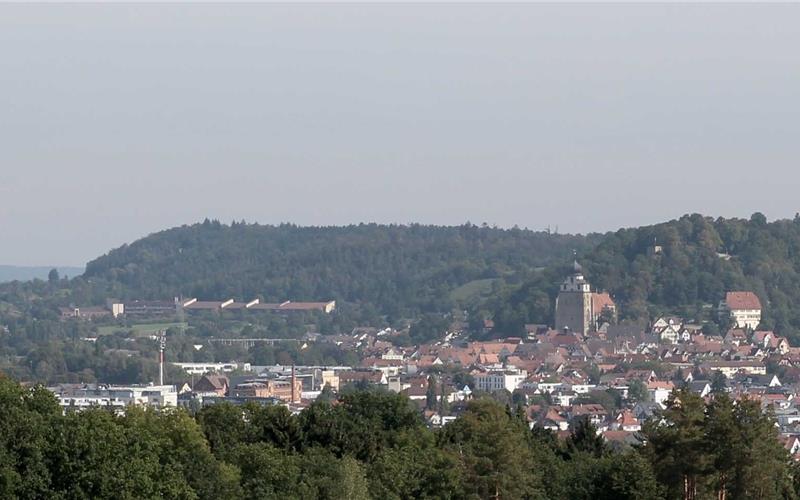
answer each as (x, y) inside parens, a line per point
(675, 445)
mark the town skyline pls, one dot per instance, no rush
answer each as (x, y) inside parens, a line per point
(390, 251)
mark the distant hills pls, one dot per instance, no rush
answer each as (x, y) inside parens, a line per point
(26, 273)
(386, 270)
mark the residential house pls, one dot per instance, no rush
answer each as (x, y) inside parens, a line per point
(495, 381)
(660, 390)
(744, 308)
(212, 384)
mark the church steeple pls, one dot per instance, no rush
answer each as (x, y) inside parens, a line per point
(577, 269)
(574, 301)
(575, 282)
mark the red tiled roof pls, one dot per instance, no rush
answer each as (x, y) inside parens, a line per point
(617, 436)
(659, 384)
(760, 335)
(601, 301)
(742, 300)
(626, 418)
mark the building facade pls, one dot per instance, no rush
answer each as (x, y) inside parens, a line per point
(285, 390)
(497, 381)
(580, 310)
(744, 308)
(574, 303)
(82, 396)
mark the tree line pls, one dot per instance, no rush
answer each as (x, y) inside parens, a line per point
(374, 444)
(679, 267)
(388, 270)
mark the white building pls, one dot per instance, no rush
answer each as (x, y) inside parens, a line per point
(582, 388)
(82, 396)
(731, 368)
(393, 355)
(659, 391)
(203, 368)
(744, 309)
(563, 398)
(496, 381)
(670, 335)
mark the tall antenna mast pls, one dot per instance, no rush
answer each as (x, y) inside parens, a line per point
(294, 381)
(162, 344)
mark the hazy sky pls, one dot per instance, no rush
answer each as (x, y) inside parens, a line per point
(120, 120)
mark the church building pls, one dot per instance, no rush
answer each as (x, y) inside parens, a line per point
(577, 307)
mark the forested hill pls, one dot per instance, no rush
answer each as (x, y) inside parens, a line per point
(682, 266)
(396, 269)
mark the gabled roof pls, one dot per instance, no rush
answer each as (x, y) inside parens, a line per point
(736, 334)
(660, 384)
(588, 409)
(218, 382)
(601, 301)
(760, 335)
(626, 418)
(742, 300)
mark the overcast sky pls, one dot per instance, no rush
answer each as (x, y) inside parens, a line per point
(119, 120)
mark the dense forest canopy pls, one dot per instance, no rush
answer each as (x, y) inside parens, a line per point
(374, 444)
(684, 266)
(382, 274)
(398, 270)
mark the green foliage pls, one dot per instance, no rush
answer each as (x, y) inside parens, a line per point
(371, 444)
(637, 391)
(701, 258)
(584, 438)
(610, 399)
(391, 270)
(719, 382)
(494, 453)
(25, 430)
(430, 326)
(416, 469)
(677, 451)
(726, 449)
(97, 454)
(617, 476)
(363, 423)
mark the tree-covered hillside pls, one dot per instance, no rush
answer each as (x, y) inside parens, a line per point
(397, 270)
(683, 266)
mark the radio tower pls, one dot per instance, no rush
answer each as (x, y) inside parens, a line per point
(294, 380)
(162, 344)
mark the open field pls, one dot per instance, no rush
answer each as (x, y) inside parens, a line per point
(142, 329)
(472, 291)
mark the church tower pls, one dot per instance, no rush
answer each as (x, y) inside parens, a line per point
(574, 303)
